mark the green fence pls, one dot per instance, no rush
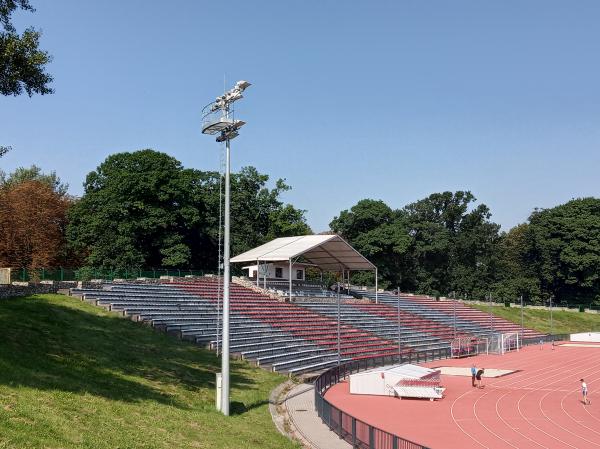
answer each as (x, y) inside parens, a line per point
(84, 274)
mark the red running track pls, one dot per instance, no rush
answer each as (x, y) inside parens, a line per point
(537, 407)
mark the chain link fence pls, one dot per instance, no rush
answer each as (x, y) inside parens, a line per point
(86, 274)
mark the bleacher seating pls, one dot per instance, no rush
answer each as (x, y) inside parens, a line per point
(297, 322)
(469, 321)
(369, 317)
(284, 336)
(482, 319)
(300, 289)
(301, 336)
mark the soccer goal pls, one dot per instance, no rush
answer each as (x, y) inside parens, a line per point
(464, 347)
(503, 342)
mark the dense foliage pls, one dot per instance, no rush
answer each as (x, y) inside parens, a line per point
(434, 245)
(445, 243)
(22, 63)
(563, 250)
(32, 225)
(143, 209)
(33, 173)
(33, 219)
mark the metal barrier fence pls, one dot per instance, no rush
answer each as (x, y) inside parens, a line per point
(544, 339)
(82, 274)
(356, 432)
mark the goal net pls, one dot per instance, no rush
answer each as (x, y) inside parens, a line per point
(503, 342)
(464, 346)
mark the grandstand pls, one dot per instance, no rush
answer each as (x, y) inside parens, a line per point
(291, 325)
(300, 289)
(297, 337)
(468, 320)
(282, 336)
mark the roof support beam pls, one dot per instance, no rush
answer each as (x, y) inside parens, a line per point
(342, 266)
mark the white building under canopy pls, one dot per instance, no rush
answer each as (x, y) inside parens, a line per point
(327, 252)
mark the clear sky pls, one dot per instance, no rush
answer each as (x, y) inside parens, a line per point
(389, 100)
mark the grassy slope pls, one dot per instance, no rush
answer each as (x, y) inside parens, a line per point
(75, 376)
(563, 322)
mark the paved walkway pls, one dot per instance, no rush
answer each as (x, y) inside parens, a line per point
(300, 405)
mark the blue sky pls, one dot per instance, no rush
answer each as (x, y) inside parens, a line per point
(390, 100)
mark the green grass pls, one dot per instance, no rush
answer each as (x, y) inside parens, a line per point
(563, 322)
(75, 376)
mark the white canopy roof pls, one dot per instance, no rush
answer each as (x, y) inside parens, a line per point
(329, 252)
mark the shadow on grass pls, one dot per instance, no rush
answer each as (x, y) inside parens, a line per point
(239, 408)
(55, 345)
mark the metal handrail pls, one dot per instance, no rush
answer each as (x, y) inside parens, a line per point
(365, 436)
(353, 430)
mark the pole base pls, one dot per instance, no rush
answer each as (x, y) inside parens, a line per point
(219, 388)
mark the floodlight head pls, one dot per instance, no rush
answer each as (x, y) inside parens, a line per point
(227, 135)
(233, 95)
(242, 85)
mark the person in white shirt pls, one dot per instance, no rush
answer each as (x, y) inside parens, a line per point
(584, 392)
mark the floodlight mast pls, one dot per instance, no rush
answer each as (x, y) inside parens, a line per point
(218, 118)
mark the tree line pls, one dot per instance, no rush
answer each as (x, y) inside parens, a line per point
(143, 209)
(445, 244)
(139, 209)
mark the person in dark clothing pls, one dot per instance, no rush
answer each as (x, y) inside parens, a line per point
(478, 377)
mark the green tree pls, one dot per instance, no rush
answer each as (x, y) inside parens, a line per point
(33, 173)
(137, 210)
(435, 245)
(563, 247)
(257, 212)
(381, 235)
(145, 209)
(287, 221)
(454, 243)
(4, 149)
(516, 275)
(22, 63)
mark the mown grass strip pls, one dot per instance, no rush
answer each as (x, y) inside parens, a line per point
(75, 376)
(563, 322)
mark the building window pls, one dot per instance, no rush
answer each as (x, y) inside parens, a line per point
(278, 272)
(299, 274)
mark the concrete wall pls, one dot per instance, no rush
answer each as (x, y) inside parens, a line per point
(586, 336)
(10, 291)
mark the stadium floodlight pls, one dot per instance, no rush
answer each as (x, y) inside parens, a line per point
(242, 85)
(218, 119)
